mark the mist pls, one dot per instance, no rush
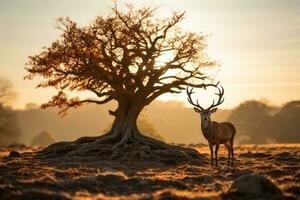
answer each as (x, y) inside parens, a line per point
(257, 122)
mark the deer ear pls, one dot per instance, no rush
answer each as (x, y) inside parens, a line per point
(214, 110)
(196, 110)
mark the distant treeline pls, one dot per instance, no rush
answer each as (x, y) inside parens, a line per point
(256, 122)
(9, 129)
(259, 122)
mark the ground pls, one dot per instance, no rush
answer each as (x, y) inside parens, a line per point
(27, 177)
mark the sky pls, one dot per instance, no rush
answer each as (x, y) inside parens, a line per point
(257, 42)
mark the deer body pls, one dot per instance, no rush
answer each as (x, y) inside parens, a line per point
(218, 133)
(215, 133)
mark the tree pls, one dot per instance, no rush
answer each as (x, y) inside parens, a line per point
(9, 129)
(6, 91)
(129, 57)
(44, 138)
(253, 122)
(287, 124)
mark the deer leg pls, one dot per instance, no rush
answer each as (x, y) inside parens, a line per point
(211, 154)
(216, 154)
(232, 153)
(228, 147)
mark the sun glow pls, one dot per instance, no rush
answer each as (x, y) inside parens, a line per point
(257, 59)
(164, 58)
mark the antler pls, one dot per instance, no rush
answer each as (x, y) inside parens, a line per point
(220, 99)
(189, 98)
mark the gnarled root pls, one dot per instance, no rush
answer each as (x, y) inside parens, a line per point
(131, 147)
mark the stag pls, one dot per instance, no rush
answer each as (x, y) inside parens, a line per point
(215, 133)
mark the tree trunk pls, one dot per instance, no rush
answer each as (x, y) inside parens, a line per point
(124, 128)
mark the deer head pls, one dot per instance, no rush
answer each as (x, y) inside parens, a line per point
(205, 113)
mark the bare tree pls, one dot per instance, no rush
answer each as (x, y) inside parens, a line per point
(9, 128)
(6, 91)
(130, 57)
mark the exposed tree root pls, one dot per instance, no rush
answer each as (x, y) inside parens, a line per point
(110, 146)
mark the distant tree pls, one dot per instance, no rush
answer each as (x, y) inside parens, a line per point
(31, 106)
(130, 57)
(44, 138)
(148, 128)
(253, 122)
(287, 122)
(9, 129)
(6, 91)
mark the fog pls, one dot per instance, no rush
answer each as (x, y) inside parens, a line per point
(172, 120)
(256, 122)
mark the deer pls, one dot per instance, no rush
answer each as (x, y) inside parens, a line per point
(215, 133)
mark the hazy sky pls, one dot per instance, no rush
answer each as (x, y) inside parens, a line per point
(256, 41)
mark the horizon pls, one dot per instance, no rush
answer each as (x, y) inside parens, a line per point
(32, 105)
(257, 43)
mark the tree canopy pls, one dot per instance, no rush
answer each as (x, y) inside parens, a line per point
(125, 55)
(287, 123)
(253, 121)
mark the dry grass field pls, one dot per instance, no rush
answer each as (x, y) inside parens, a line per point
(26, 177)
